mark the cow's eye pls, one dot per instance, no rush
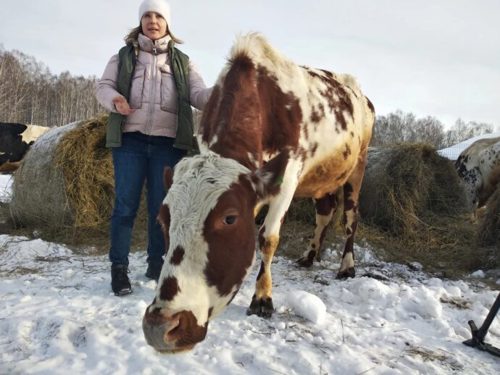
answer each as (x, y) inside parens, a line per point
(230, 219)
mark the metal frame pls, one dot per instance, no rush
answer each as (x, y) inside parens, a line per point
(477, 340)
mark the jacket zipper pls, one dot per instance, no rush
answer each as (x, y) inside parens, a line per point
(152, 94)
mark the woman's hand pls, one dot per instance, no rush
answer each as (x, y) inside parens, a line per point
(122, 106)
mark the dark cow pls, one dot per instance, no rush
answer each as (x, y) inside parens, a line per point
(271, 130)
(15, 140)
(479, 169)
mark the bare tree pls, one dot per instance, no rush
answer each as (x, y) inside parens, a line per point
(400, 127)
(29, 93)
(462, 130)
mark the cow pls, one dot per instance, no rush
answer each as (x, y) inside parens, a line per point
(479, 169)
(15, 140)
(271, 131)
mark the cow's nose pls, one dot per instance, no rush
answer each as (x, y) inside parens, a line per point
(172, 333)
(158, 327)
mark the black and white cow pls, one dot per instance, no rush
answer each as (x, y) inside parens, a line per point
(15, 140)
(479, 169)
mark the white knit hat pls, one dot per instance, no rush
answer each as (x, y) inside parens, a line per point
(159, 6)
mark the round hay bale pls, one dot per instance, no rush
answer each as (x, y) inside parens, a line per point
(405, 185)
(38, 191)
(88, 173)
(489, 227)
(66, 179)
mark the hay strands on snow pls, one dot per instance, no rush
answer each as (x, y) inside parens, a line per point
(478, 334)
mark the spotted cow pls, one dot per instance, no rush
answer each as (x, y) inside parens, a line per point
(479, 169)
(15, 140)
(271, 131)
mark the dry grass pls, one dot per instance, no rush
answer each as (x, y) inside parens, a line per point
(406, 186)
(87, 170)
(489, 227)
(411, 209)
(449, 249)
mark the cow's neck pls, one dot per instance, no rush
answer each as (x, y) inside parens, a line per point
(253, 113)
(238, 116)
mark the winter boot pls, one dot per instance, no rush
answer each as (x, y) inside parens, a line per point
(119, 280)
(154, 270)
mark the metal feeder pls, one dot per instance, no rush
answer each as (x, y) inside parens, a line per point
(477, 340)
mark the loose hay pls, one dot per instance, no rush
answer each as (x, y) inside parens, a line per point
(413, 207)
(405, 186)
(489, 228)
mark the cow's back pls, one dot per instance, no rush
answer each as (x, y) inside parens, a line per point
(263, 103)
(336, 134)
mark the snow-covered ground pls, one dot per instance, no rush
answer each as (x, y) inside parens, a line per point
(5, 185)
(58, 316)
(453, 152)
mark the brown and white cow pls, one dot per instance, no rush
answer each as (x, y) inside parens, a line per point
(479, 169)
(271, 130)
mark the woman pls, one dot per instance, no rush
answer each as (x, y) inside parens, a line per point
(149, 87)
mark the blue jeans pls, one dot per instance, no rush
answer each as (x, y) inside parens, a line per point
(140, 158)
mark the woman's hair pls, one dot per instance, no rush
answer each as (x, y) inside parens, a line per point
(133, 35)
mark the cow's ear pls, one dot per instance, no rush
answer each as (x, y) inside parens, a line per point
(168, 177)
(267, 180)
(19, 128)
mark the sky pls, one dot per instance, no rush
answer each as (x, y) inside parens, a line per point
(59, 316)
(433, 58)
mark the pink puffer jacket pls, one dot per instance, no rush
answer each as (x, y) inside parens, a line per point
(153, 93)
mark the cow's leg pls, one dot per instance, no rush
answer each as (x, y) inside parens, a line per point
(259, 213)
(350, 219)
(262, 302)
(325, 208)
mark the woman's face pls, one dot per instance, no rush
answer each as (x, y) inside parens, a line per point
(153, 25)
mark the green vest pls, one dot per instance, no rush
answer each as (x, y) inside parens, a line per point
(179, 62)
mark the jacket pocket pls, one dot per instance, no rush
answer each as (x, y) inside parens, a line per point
(168, 91)
(137, 87)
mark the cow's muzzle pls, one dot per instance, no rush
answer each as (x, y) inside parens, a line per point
(172, 333)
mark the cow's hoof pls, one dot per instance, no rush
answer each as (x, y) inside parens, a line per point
(261, 307)
(346, 273)
(307, 261)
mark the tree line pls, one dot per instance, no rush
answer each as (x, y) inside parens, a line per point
(399, 127)
(30, 94)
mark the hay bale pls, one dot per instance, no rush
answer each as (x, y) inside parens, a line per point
(66, 179)
(489, 227)
(38, 191)
(88, 173)
(406, 185)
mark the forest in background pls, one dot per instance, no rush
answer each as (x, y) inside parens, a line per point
(30, 94)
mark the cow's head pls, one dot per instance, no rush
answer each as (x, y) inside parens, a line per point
(208, 222)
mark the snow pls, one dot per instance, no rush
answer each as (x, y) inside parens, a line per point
(453, 152)
(479, 274)
(58, 316)
(5, 187)
(307, 305)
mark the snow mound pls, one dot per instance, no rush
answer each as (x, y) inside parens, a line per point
(307, 305)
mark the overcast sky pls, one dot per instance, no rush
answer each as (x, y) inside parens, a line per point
(438, 58)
